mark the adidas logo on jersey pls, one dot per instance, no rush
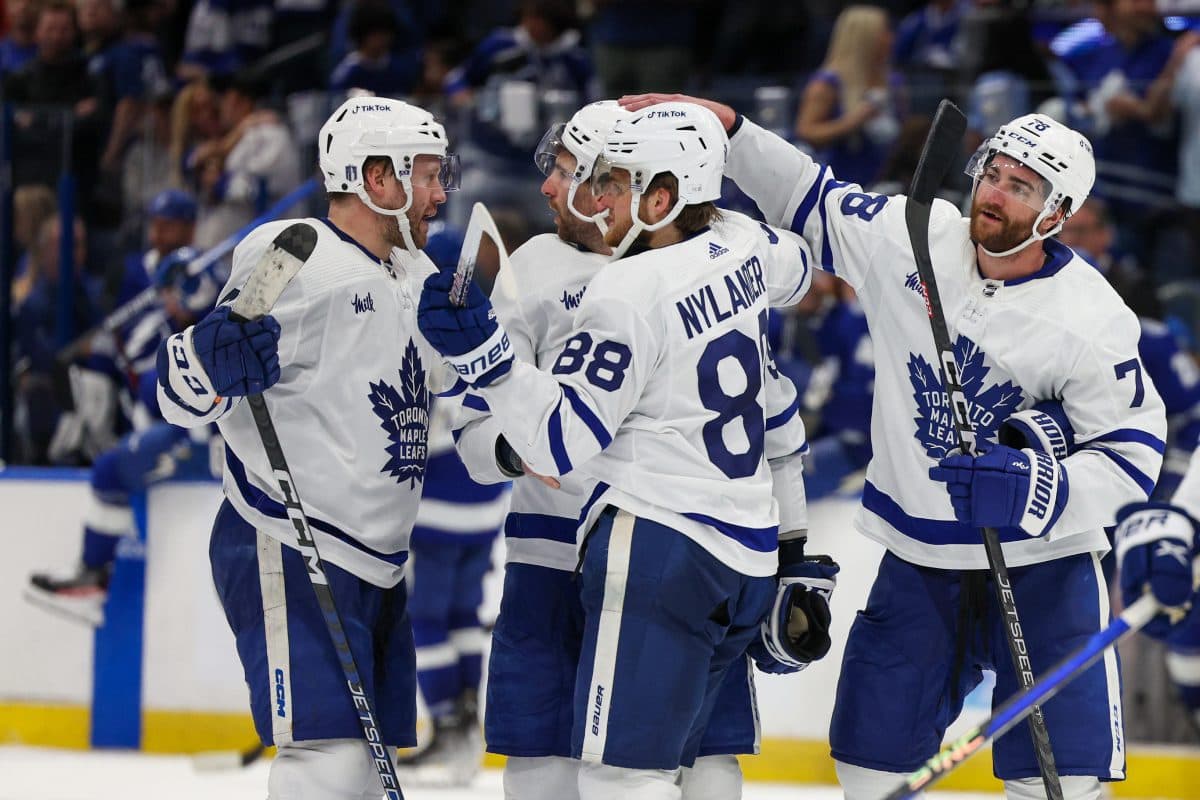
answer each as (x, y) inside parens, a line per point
(715, 250)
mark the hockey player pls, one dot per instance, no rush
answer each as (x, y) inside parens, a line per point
(155, 450)
(451, 552)
(1158, 550)
(536, 644)
(347, 378)
(657, 393)
(1032, 322)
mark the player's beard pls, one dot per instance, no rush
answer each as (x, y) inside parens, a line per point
(616, 230)
(573, 230)
(997, 235)
(390, 229)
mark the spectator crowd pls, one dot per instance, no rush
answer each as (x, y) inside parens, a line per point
(158, 124)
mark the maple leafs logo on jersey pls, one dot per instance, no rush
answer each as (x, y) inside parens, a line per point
(404, 415)
(989, 405)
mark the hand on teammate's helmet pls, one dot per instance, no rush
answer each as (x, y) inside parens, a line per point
(1157, 549)
(796, 632)
(1004, 488)
(467, 336)
(240, 358)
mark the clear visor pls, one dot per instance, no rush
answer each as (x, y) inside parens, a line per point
(605, 183)
(449, 173)
(1009, 177)
(548, 148)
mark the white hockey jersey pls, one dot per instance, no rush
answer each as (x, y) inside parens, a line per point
(536, 299)
(351, 405)
(658, 390)
(1061, 333)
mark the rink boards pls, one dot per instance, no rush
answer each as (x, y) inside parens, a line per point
(162, 674)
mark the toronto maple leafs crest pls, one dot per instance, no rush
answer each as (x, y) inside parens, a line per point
(989, 403)
(404, 415)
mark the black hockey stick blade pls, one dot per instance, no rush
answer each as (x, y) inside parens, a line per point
(945, 137)
(284, 257)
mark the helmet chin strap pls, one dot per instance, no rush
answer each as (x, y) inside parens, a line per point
(599, 219)
(1034, 236)
(401, 214)
(636, 228)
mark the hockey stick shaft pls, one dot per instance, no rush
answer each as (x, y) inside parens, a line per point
(258, 295)
(1024, 702)
(941, 148)
(149, 296)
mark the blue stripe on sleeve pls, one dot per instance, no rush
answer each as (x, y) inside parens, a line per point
(603, 437)
(558, 448)
(826, 250)
(1140, 478)
(1133, 435)
(800, 285)
(475, 402)
(806, 205)
(781, 419)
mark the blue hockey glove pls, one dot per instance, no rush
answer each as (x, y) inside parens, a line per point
(468, 337)
(240, 358)
(796, 632)
(1004, 488)
(1157, 546)
(1044, 428)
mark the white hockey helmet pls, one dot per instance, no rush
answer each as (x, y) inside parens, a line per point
(1060, 155)
(684, 139)
(379, 126)
(583, 137)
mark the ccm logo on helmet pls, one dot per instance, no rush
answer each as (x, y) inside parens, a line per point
(1021, 139)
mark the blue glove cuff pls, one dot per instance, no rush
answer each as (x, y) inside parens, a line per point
(1044, 428)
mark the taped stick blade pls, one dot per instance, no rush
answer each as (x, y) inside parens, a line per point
(284, 257)
(941, 151)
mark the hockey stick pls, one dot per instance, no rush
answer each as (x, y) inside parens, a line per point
(941, 149)
(481, 222)
(1024, 702)
(271, 275)
(147, 297)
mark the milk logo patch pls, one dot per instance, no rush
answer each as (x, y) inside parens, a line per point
(404, 416)
(989, 403)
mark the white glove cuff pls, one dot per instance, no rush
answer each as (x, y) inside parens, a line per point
(1043, 493)
(475, 363)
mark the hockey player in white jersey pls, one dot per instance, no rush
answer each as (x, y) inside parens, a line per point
(347, 378)
(538, 635)
(1031, 322)
(658, 394)
(1158, 550)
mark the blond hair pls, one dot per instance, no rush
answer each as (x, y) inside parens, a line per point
(182, 137)
(855, 36)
